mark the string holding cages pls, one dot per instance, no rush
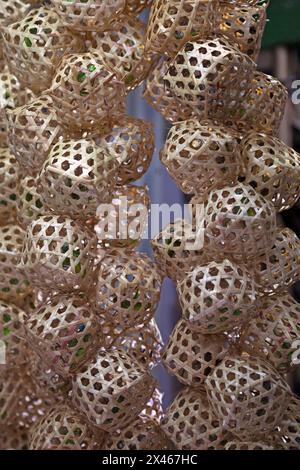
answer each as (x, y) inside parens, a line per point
(202, 156)
(217, 297)
(127, 289)
(76, 177)
(272, 169)
(14, 286)
(63, 429)
(212, 77)
(171, 25)
(191, 357)
(58, 252)
(243, 26)
(32, 130)
(191, 423)
(178, 249)
(274, 333)
(122, 50)
(112, 390)
(247, 394)
(64, 333)
(127, 220)
(89, 15)
(86, 93)
(239, 222)
(34, 46)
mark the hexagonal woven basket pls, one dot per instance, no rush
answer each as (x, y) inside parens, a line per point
(112, 390)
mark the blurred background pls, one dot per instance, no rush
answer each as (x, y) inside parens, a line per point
(280, 57)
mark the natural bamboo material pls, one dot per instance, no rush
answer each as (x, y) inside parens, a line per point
(154, 408)
(86, 93)
(142, 434)
(171, 25)
(12, 334)
(217, 297)
(29, 202)
(14, 286)
(161, 98)
(131, 143)
(211, 77)
(112, 390)
(264, 106)
(13, 439)
(243, 26)
(239, 222)
(273, 333)
(178, 250)
(64, 333)
(127, 289)
(247, 445)
(64, 429)
(191, 357)
(90, 15)
(76, 177)
(123, 227)
(247, 395)
(58, 253)
(33, 129)
(122, 50)
(272, 168)
(191, 424)
(34, 46)
(279, 267)
(12, 10)
(202, 156)
(8, 186)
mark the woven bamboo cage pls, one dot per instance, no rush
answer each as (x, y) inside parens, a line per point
(127, 289)
(154, 408)
(247, 395)
(289, 427)
(239, 222)
(13, 336)
(171, 25)
(243, 26)
(279, 267)
(8, 186)
(163, 99)
(217, 297)
(178, 250)
(202, 156)
(13, 439)
(62, 428)
(136, 6)
(122, 50)
(112, 390)
(191, 357)
(86, 93)
(58, 252)
(34, 46)
(274, 333)
(33, 129)
(212, 77)
(64, 333)
(247, 445)
(12, 10)
(76, 177)
(192, 425)
(272, 169)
